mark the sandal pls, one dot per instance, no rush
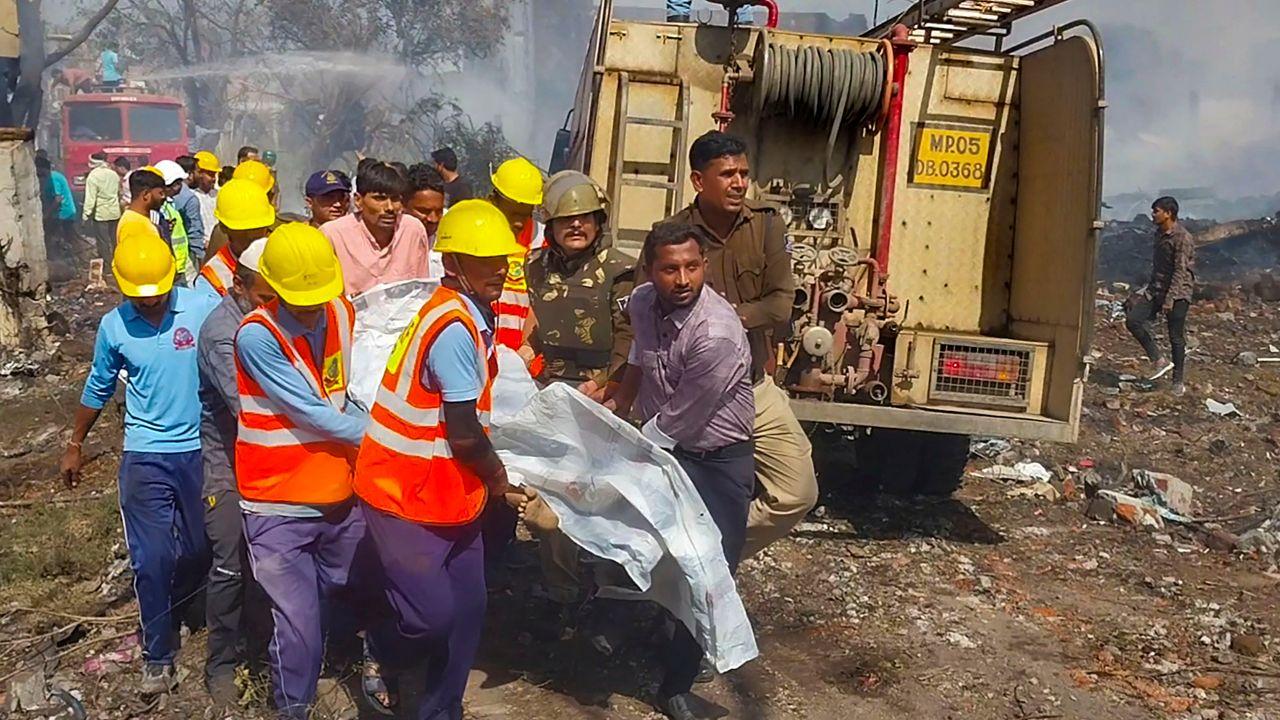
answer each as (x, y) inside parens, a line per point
(382, 693)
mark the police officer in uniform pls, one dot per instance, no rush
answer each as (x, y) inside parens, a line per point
(578, 288)
(579, 285)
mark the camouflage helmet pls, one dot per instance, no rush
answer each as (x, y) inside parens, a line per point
(570, 193)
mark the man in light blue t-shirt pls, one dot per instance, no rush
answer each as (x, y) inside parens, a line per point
(109, 66)
(152, 336)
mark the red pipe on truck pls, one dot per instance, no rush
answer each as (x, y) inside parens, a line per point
(772, 6)
(902, 48)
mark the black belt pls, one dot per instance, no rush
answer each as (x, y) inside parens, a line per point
(581, 357)
(746, 448)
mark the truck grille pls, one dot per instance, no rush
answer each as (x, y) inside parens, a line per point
(981, 374)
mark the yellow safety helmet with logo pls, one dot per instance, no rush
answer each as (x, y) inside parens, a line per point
(208, 162)
(243, 205)
(299, 263)
(256, 171)
(143, 263)
(478, 229)
(519, 180)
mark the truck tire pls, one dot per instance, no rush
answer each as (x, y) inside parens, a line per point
(909, 462)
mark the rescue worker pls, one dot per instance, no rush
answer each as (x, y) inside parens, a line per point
(517, 192)
(187, 204)
(152, 336)
(102, 204)
(204, 183)
(296, 443)
(749, 265)
(223, 522)
(426, 467)
(244, 215)
(578, 286)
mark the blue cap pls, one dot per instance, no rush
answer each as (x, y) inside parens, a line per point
(327, 181)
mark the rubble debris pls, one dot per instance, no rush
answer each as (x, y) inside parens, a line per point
(1248, 645)
(1111, 506)
(1020, 472)
(1039, 489)
(1168, 490)
(28, 691)
(1247, 359)
(1222, 409)
(989, 448)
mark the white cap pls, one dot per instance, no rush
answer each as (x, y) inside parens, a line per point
(252, 255)
(171, 171)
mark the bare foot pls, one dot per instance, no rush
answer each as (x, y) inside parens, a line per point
(537, 515)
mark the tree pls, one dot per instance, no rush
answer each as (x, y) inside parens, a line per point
(325, 114)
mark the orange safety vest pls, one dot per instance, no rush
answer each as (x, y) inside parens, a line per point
(277, 461)
(511, 311)
(406, 467)
(220, 270)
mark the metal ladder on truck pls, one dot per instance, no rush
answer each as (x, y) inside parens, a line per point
(944, 22)
(629, 172)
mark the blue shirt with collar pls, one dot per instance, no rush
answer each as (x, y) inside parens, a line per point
(162, 405)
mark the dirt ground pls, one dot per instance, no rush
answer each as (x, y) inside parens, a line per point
(991, 605)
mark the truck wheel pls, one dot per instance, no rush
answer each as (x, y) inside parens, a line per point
(908, 462)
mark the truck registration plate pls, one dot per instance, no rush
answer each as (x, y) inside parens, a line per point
(951, 156)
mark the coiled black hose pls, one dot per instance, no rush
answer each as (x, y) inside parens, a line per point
(828, 86)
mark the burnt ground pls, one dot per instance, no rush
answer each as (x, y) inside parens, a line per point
(990, 605)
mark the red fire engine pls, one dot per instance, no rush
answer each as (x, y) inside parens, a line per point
(142, 127)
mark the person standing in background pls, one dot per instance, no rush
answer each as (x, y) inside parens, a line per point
(187, 201)
(109, 65)
(171, 221)
(123, 169)
(102, 205)
(248, 152)
(244, 215)
(328, 196)
(379, 244)
(426, 198)
(456, 187)
(1169, 292)
(61, 225)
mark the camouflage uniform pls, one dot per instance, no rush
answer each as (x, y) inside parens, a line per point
(583, 330)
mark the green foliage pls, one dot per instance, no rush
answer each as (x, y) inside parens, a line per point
(68, 542)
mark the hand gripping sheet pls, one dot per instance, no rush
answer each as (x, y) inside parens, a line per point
(622, 498)
(617, 495)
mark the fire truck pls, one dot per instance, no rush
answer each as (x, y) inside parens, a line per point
(941, 189)
(127, 122)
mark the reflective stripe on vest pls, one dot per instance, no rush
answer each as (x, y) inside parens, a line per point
(220, 270)
(277, 461)
(406, 466)
(511, 311)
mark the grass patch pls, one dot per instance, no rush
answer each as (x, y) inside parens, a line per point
(67, 542)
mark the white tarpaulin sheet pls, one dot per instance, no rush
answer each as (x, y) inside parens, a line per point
(617, 495)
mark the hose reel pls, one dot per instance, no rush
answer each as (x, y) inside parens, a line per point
(842, 88)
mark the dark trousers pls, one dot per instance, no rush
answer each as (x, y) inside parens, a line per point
(236, 611)
(160, 503)
(725, 480)
(1143, 312)
(104, 237)
(435, 585)
(498, 524)
(301, 563)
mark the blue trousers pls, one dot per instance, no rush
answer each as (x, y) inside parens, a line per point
(300, 563)
(160, 503)
(435, 585)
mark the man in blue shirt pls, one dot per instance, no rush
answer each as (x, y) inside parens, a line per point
(152, 337)
(109, 66)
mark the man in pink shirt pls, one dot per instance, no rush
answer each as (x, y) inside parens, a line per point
(379, 243)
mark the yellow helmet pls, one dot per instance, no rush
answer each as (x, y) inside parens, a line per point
(143, 263)
(299, 263)
(256, 171)
(243, 205)
(478, 229)
(519, 180)
(208, 162)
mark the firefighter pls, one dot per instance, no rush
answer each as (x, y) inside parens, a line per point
(517, 192)
(426, 468)
(244, 214)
